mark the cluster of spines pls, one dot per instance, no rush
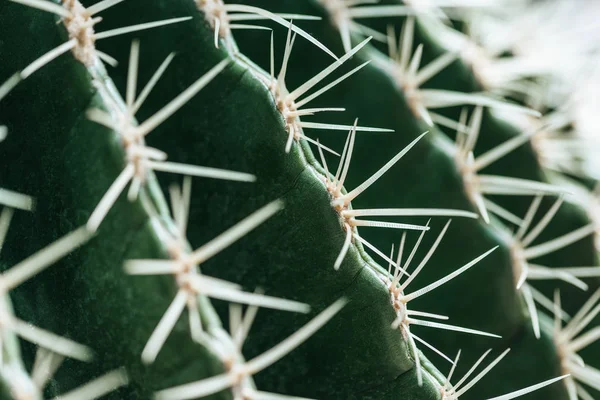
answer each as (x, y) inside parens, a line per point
(509, 186)
(510, 74)
(410, 80)
(140, 160)
(153, 159)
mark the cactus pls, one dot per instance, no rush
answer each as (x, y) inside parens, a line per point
(209, 230)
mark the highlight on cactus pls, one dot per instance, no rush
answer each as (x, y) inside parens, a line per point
(179, 177)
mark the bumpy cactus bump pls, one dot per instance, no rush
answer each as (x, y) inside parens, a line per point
(331, 199)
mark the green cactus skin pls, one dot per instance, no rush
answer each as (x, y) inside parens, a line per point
(67, 132)
(384, 107)
(233, 123)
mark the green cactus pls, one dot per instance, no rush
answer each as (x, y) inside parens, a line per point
(268, 273)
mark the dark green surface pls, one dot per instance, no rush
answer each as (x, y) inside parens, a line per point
(70, 163)
(289, 256)
(487, 300)
(234, 116)
(233, 124)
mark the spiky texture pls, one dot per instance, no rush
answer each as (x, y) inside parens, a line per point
(267, 273)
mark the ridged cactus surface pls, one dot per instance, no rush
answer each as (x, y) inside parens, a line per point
(331, 199)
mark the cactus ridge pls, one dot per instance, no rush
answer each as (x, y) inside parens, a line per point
(130, 245)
